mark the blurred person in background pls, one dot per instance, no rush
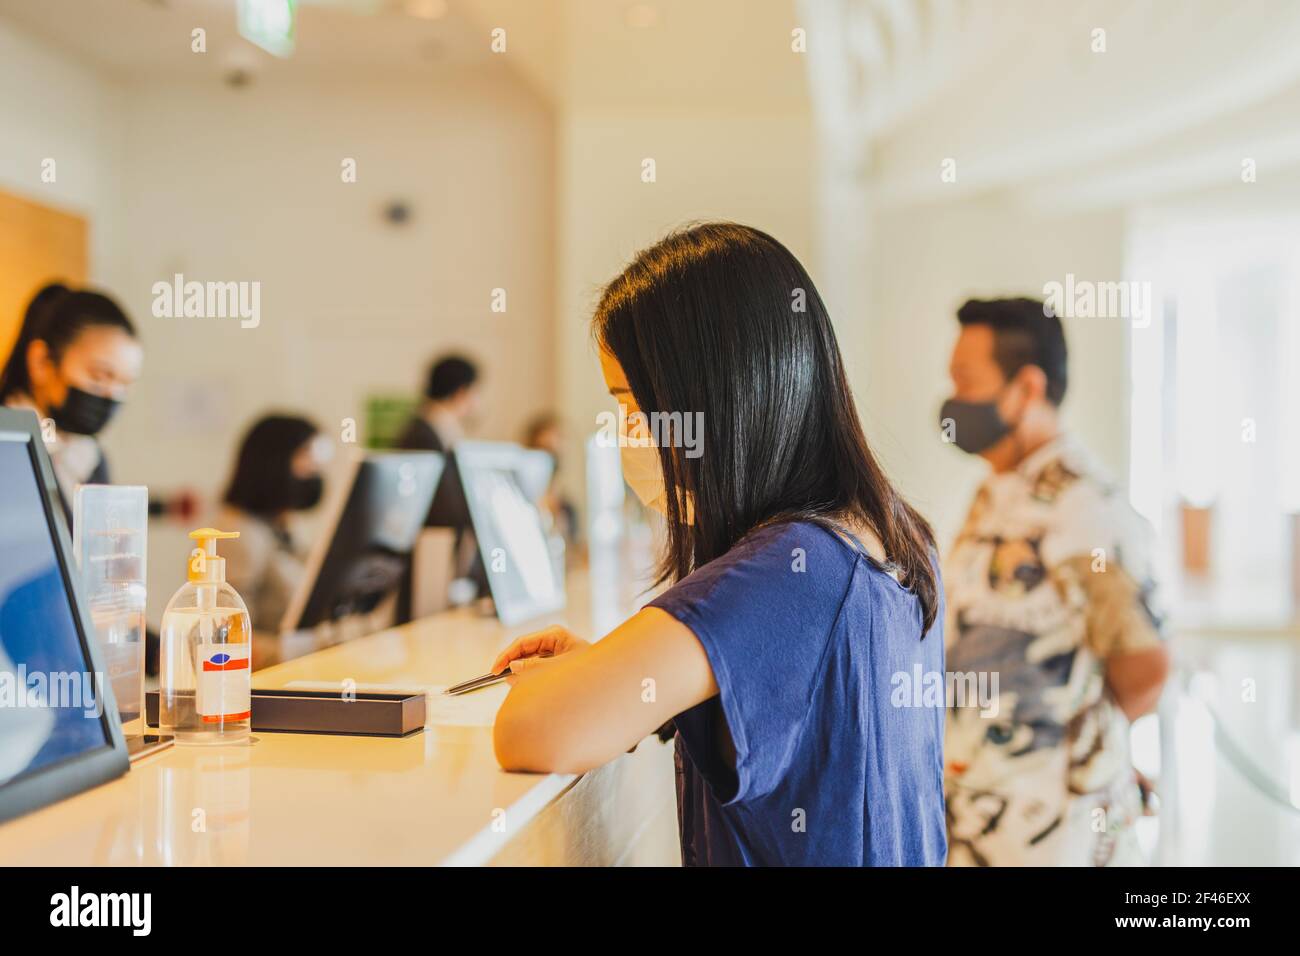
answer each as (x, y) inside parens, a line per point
(278, 472)
(450, 407)
(74, 361)
(1048, 588)
(544, 434)
(451, 403)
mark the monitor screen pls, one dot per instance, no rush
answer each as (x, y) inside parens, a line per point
(373, 527)
(53, 708)
(501, 483)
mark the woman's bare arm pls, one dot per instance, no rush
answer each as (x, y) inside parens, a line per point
(584, 708)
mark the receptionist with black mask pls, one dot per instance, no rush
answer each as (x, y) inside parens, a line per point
(73, 363)
(277, 473)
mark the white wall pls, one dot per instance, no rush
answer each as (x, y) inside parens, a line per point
(52, 107)
(245, 185)
(754, 169)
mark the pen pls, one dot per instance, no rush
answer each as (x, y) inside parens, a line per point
(477, 683)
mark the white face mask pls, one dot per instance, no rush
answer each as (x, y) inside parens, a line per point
(642, 472)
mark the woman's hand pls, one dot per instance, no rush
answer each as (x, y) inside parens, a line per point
(542, 644)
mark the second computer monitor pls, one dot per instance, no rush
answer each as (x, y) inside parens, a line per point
(502, 483)
(361, 557)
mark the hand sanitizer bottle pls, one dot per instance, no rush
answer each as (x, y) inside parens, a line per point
(205, 653)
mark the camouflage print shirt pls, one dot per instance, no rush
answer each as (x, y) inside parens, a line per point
(1048, 577)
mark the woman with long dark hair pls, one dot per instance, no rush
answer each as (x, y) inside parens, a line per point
(804, 596)
(73, 363)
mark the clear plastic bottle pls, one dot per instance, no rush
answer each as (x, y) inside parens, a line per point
(109, 539)
(205, 653)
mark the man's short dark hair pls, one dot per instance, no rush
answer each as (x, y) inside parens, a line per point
(448, 376)
(1024, 333)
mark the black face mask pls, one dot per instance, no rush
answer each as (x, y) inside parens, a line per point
(305, 493)
(83, 413)
(976, 426)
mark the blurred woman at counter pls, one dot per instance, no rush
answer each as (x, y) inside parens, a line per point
(277, 473)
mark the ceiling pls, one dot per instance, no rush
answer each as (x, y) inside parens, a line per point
(1013, 87)
(149, 39)
(1094, 102)
(676, 56)
(671, 55)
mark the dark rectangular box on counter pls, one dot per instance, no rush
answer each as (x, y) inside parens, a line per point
(360, 713)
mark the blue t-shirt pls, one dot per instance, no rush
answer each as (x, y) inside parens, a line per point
(810, 643)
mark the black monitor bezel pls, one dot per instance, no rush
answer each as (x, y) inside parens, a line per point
(75, 774)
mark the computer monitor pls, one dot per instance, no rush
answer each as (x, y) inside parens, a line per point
(532, 466)
(535, 470)
(59, 728)
(502, 482)
(374, 516)
(449, 508)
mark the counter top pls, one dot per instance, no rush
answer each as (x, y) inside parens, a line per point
(436, 797)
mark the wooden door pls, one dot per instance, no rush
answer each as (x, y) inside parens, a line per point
(38, 244)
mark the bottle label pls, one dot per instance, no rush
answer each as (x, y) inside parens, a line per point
(224, 683)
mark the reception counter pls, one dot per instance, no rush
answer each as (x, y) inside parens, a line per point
(435, 797)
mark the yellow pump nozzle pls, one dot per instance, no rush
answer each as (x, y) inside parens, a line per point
(204, 565)
(209, 536)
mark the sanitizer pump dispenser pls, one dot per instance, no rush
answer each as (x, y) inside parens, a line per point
(205, 654)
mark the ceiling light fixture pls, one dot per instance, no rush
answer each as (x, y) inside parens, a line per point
(269, 24)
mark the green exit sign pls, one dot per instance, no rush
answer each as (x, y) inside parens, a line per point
(269, 24)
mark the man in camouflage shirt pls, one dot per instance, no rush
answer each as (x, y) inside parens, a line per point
(1049, 588)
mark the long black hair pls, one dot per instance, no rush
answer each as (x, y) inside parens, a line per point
(722, 319)
(56, 316)
(263, 482)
